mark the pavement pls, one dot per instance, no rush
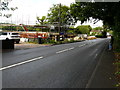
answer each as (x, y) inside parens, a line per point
(104, 76)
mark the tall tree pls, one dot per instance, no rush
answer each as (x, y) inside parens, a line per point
(60, 14)
(108, 12)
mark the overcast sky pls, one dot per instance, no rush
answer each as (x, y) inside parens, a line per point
(28, 10)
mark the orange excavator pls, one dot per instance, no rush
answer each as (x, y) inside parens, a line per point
(28, 34)
(24, 27)
(32, 34)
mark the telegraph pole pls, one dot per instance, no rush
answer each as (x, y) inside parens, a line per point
(59, 23)
(59, 29)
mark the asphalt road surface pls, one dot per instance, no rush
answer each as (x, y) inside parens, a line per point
(60, 66)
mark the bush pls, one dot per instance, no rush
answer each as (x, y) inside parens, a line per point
(66, 41)
(33, 40)
(101, 36)
(71, 41)
(52, 41)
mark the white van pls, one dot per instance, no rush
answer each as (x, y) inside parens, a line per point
(10, 35)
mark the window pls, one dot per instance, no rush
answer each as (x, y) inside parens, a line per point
(4, 33)
(15, 33)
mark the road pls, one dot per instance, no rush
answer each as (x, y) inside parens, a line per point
(60, 66)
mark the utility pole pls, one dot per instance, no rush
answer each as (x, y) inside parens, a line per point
(59, 23)
(59, 29)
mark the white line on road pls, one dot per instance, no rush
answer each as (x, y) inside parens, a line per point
(65, 50)
(20, 63)
(82, 45)
(71, 48)
(62, 51)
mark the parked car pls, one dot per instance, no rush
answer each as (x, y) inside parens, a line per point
(10, 35)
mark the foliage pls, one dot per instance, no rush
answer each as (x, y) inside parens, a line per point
(116, 41)
(83, 29)
(42, 20)
(4, 6)
(71, 30)
(10, 28)
(52, 41)
(60, 14)
(111, 32)
(17, 28)
(117, 64)
(108, 12)
(100, 36)
(45, 30)
(102, 11)
(98, 28)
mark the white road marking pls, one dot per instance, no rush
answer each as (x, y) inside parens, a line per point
(82, 45)
(20, 63)
(62, 51)
(71, 48)
(65, 50)
(31, 60)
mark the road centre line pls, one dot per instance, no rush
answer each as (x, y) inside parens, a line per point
(62, 51)
(71, 48)
(82, 45)
(65, 50)
(31, 60)
(20, 63)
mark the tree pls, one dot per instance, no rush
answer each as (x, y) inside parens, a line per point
(4, 5)
(108, 12)
(60, 14)
(42, 20)
(83, 29)
(71, 30)
(98, 28)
